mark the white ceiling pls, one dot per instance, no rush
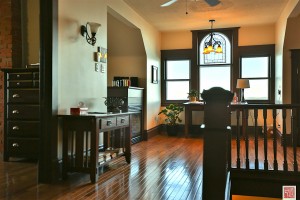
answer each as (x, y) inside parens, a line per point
(229, 13)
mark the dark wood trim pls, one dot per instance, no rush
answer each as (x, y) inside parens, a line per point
(295, 58)
(48, 94)
(178, 54)
(245, 182)
(232, 35)
(16, 31)
(152, 132)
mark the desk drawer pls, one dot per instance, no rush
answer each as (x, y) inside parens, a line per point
(23, 112)
(23, 128)
(123, 120)
(20, 76)
(23, 147)
(23, 96)
(108, 123)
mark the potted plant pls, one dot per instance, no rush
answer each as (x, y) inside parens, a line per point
(171, 112)
(193, 95)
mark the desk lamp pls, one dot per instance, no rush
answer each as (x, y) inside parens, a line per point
(242, 84)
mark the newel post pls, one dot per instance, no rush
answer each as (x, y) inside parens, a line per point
(216, 152)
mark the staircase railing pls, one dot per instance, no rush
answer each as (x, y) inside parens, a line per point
(259, 152)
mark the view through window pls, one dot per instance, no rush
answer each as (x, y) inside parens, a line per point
(256, 69)
(177, 79)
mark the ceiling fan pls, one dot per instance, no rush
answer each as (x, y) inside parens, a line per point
(210, 2)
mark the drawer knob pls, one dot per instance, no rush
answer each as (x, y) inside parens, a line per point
(15, 128)
(16, 96)
(109, 123)
(18, 83)
(15, 112)
(15, 145)
(18, 75)
(122, 120)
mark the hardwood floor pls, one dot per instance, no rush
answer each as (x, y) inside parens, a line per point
(161, 168)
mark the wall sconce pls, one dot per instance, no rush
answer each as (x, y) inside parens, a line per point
(93, 29)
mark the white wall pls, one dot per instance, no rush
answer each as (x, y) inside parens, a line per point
(77, 79)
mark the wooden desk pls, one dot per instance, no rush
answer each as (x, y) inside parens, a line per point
(81, 149)
(189, 107)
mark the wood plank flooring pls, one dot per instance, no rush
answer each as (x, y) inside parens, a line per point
(161, 168)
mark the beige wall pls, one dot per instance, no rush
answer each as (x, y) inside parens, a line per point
(291, 41)
(257, 35)
(127, 56)
(176, 40)
(252, 35)
(280, 31)
(152, 41)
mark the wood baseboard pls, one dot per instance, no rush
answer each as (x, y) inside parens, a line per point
(152, 132)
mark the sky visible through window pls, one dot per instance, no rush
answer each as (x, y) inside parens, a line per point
(256, 70)
(177, 83)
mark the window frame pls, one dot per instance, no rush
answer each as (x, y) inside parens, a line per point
(173, 55)
(260, 51)
(232, 36)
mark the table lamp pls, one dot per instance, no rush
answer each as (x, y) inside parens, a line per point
(242, 84)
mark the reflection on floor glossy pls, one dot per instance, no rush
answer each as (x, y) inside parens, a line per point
(161, 168)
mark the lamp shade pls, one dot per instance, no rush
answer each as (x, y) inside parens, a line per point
(94, 27)
(242, 83)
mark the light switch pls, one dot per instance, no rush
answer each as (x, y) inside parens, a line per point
(97, 68)
(102, 68)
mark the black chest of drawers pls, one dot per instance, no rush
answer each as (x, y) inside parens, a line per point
(21, 113)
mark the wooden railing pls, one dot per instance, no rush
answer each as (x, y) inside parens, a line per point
(262, 154)
(288, 133)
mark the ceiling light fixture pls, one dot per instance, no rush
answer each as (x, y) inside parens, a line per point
(93, 29)
(212, 45)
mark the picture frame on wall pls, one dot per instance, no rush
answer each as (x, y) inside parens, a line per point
(154, 74)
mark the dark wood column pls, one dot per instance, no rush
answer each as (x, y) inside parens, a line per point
(216, 154)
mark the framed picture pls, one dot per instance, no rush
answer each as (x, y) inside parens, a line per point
(154, 74)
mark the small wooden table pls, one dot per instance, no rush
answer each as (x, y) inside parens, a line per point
(81, 149)
(189, 107)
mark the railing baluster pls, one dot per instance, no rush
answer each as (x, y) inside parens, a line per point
(294, 137)
(265, 139)
(238, 160)
(256, 138)
(275, 164)
(245, 134)
(285, 164)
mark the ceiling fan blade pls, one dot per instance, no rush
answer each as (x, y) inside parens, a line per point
(212, 2)
(168, 3)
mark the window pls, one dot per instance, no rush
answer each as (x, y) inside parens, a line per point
(256, 69)
(176, 76)
(215, 68)
(177, 79)
(257, 65)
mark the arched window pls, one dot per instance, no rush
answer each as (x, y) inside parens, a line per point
(216, 58)
(215, 68)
